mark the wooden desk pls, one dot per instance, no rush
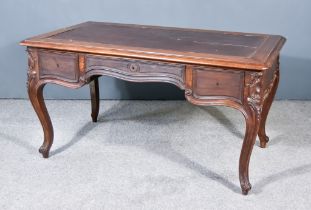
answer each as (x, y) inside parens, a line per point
(238, 70)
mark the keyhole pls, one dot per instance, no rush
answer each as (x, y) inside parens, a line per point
(217, 83)
(133, 67)
(57, 65)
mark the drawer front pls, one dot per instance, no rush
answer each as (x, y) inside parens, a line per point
(136, 67)
(215, 82)
(58, 65)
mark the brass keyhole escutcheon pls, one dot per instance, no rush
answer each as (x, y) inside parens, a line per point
(134, 67)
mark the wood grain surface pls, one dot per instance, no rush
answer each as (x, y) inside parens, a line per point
(238, 70)
(208, 47)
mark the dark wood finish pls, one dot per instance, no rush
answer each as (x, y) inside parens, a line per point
(207, 47)
(269, 94)
(238, 70)
(94, 90)
(35, 91)
(136, 70)
(58, 65)
(216, 82)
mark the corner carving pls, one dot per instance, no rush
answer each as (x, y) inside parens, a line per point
(254, 95)
(31, 73)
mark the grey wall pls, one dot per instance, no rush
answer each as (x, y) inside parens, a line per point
(21, 19)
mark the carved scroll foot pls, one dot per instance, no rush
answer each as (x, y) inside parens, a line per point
(263, 140)
(35, 92)
(265, 110)
(44, 150)
(250, 136)
(94, 90)
(246, 188)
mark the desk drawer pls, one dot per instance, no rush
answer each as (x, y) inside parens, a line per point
(209, 81)
(135, 67)
(58, 65)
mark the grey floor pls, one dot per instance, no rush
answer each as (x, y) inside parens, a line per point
(151, 155)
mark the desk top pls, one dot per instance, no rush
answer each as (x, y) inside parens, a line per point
(192, 46)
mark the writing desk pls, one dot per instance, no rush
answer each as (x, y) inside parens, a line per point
(239, 70)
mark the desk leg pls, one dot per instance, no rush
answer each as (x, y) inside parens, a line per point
(251, 110)
(252, 123)
(251, 114)
(35, 92)
(265, 110)
(94, 90)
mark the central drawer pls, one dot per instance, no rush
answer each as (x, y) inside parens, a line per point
(136, 68)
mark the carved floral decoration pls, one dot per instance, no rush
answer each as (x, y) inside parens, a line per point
(254, 97)
(31, 73)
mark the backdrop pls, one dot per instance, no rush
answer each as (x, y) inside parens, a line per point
(21, 19)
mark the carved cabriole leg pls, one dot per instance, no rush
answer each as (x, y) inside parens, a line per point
(266, 107)
(35, 92)
(247, 147)
(94, 90)
(252, 112)
(250, 107)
